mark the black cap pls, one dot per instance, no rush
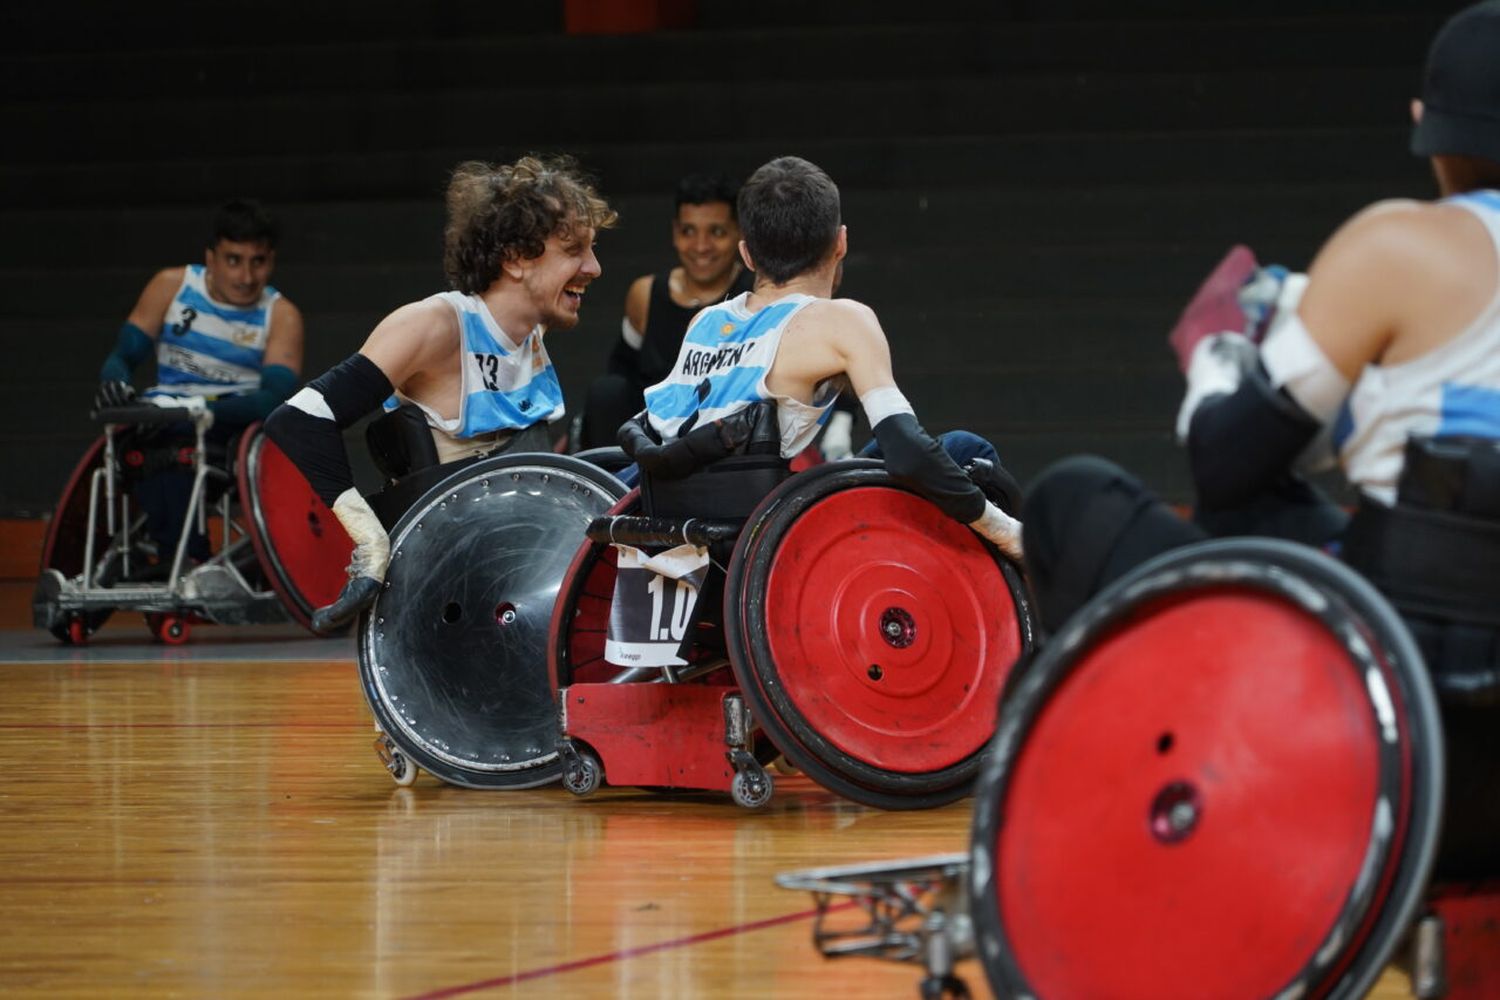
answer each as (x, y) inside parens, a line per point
(1461, 87)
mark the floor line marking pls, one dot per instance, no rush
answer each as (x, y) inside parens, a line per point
(616, 956)
(342, 726)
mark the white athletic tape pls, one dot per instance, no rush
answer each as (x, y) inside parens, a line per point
(1295, 362)
(372, 547)
(1217, 366)
(1001, 529)
(311, 402)
(632, 337)
(882, 402)
(838, 439)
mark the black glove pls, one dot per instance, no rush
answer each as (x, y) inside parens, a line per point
(113, 393)
(999, 486)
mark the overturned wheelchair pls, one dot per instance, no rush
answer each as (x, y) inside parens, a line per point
(280, 552)
(1224, 777)
(729, 613)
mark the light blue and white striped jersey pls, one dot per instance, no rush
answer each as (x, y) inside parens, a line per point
(721, 369)
(506, 386)
(209, 348)
(1453, 389)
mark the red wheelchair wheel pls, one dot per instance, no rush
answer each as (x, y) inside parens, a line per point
(66, 541)
(1221, 778)
(298, 541)
(873, 635)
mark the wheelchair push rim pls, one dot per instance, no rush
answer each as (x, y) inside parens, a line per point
(1260, 821)
(874, 662)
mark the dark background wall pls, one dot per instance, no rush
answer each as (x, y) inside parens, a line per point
(1032, 189)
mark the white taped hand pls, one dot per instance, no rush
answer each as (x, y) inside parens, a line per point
(838, 439)
(1218, 366)
(372, 546)
(1001, 529)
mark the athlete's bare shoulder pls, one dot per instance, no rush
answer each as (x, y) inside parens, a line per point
(415, 338)
(850, 309)
(838, 319)
(1391, 244)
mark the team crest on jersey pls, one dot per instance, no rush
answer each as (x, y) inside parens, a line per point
(245, 336)
(726, 329)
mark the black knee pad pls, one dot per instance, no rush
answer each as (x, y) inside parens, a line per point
(1087, 522)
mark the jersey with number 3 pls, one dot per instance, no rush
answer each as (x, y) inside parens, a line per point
(506, 385)
(207, 347)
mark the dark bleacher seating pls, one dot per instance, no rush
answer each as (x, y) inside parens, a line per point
(1031, 188)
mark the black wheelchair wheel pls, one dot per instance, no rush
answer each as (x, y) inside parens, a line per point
(453, 654)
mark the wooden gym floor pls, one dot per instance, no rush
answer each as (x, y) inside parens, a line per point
(211, 821)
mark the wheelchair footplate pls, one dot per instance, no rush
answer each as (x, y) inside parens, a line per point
(679, 736)
(912, 910)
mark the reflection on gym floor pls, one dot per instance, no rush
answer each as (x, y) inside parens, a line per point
(217, 828)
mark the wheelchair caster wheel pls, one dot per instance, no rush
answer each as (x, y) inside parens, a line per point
(944, 988)
(583, 774)
(751, 789)
(168, 629)
(76, 628)
(403, 772)
(76, 633)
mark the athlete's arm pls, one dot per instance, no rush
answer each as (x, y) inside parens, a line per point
(136, 339)
(1368, 284)
(624, 357)
(280, 366)
(912, 456)
(407, 343)
(416, 339)
(151, 308)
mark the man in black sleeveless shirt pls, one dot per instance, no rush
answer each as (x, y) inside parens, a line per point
(658, 307)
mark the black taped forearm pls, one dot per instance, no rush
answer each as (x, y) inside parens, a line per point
(316, 448)
(1240, 442)
(352, 388)
(915, 459)
(308, 427)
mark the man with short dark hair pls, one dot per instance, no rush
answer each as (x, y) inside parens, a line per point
(790, 342)
(519, 255)
(224, 340)
(658, 307)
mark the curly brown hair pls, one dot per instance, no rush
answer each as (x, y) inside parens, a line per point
(501, 212)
